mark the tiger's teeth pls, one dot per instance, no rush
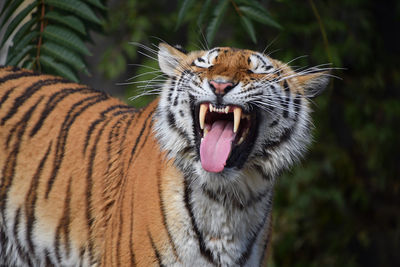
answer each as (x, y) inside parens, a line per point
(211, 108)
(205, 132)
(227, 109)
(202, 114)
(237, 114)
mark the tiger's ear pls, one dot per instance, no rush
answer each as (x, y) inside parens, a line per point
(169, 58)
(314, 84)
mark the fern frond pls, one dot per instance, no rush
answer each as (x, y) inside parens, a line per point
(50, 35)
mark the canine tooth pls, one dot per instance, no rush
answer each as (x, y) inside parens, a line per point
(237, 114)
(205, 132)
(202, 114)
(227, 109)
(211, 108)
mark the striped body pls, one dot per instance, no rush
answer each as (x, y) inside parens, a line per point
(74, 189)
(86, 180)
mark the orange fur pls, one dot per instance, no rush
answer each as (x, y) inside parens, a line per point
(84, 179)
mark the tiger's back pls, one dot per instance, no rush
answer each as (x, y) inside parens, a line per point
(65, 151)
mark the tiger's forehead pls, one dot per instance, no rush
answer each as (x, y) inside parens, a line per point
(229, 52)
(233, 57)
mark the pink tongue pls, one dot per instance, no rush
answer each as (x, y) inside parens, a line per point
(216, 146)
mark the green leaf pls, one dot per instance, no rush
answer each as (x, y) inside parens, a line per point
(5, 6)
(9, 11)
(62, 54)
(248, 25)
(75, 7)
(186, 5)
(96, 3)
(255, 4)
(17, 56)
(22, 43)
(69, 21)
(65, 38)
(22, 32)
(218, 15)
(203, 12)
(59, 68)
(259, 16)
(16, 21)
(28, 64)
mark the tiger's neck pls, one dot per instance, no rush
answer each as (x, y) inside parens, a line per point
(232, 226)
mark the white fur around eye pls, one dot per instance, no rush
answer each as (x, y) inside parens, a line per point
(212, 55)
(260, 64)
(201, 62)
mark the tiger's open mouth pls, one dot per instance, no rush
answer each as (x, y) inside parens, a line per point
(225, 135)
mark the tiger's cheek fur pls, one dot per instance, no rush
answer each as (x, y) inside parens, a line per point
(174, 118)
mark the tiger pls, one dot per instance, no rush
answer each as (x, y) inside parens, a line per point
(87, 180)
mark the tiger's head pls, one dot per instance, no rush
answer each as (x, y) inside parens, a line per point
(226, 111)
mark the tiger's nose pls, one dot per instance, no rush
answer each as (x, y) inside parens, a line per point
(220, 88)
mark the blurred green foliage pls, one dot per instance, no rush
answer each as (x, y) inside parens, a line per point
(340, 206)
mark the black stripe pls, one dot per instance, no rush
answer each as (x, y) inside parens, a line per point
(203, 249)
(297, 105)
(101, 119)
(287, 133)
(15, 76)
(21, 253)
(132, 253)
(89, 133)
(162, 210)
(147, 136)
(30, 201)
(8, 171)
(228, 199)
(120, 223)
(286, 87)
(6, 95)
(64, 131)
(156, 252)
(250, 242)
(15, 230)
(89, 185)
(113, 134)
(52, 103)
(274, 123)
(19, 101)
(265, 176)
(149, 116)
(123, 112)
(111, 108)
(127, 128)
(285, 104)
(172, 125)
(265, 246)
(48, 260)
(64, 225)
